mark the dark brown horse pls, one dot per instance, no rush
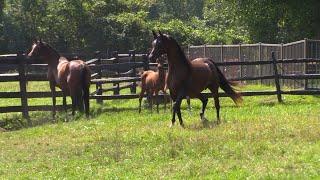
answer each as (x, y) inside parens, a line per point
(153, 82)
(190, 78)
(73, 77)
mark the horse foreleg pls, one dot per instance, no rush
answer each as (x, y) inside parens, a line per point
(217, 105)
(157, 100)
(188, 102)
(165, 99)
(53, 94)
(64, 101)
(140, 98)
(177, 108)
(173, 120)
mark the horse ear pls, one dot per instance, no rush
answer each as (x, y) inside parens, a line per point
(160, 33)
(40, 41)
(154, 34)
(34, 40)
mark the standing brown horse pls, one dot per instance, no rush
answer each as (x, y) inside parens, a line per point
(190, 78)
(73, 77)
(153, 82)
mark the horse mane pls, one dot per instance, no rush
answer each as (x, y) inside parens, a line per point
(51, 48)
(181, 52)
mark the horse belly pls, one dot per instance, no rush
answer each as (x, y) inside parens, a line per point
(200, 79)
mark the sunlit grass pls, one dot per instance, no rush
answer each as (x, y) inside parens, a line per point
(260, 139)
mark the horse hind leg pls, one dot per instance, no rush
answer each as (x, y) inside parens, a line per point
(214, 91)
(204, 101)
(150, 99)
(157, 100)
(74, 104)
(80, 101)
(75, 99)
(86, 100)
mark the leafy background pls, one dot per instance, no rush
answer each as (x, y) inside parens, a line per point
(89, 25)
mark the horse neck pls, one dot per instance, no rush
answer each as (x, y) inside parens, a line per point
(177, 62)
(53, 61)
(162, 73)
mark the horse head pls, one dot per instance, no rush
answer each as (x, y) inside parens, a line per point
(37, 49)
(158, 46)
(42, 51)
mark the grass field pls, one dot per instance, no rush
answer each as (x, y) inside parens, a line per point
(260, 139)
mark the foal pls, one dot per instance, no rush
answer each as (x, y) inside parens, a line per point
(73, 77)
(153, 82)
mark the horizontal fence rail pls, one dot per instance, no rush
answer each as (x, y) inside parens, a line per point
(121, 71)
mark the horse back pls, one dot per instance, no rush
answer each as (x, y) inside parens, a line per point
(79, 71)
(149, 79)
(201, 76)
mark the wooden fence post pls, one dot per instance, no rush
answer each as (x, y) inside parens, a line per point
(240, 59)
(282, 57)
(221, 53)
(133, 87)
(99, 75)
(260, 66)
(276, 77)
(305, 56)
(23, 86)
(116, 91)
(145, 62)
(205, 51)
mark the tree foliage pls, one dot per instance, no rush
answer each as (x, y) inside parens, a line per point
(89, 25)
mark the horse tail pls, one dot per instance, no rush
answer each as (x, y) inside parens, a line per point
(227, 87)
(143, 80)
(85, 80)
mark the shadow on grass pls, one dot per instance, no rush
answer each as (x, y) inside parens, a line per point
(204, 123)
(15, 122)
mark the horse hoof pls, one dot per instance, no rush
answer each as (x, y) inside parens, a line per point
(182, 125)
(171, 125)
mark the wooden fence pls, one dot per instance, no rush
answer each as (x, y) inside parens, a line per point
(124, 69)
(303, 49)
(119, 70)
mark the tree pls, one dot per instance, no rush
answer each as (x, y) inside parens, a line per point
(280, 21)
(2, 38)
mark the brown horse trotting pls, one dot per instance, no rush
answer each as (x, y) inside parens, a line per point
(153, 82)
(190, 78)
(73, 77)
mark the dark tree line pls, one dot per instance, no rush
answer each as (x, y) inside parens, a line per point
(89, 25)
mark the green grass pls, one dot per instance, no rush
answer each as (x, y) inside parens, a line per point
(260, 139)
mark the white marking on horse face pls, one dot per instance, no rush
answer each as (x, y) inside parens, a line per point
(33, 47)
